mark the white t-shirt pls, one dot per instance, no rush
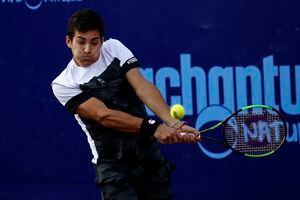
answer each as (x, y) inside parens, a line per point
(66, 87)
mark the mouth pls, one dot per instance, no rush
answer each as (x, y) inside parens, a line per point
(85, 58)
(86, 61)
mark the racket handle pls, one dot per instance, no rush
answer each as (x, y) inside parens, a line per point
(182, 134)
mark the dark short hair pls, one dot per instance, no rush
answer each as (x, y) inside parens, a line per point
(85, 20)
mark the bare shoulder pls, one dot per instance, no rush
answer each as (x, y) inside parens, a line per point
(134, 74)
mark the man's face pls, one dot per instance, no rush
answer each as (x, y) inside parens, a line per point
(85, 47)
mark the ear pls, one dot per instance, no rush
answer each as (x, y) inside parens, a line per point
(68, 41)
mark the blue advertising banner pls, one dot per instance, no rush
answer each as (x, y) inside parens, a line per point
(213, 57)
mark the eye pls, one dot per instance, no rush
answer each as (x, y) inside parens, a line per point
(95, 42)
(80, 42)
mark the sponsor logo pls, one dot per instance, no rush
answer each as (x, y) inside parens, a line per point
(131, 60)
(151, 121)
(36, 4)
(101, 81)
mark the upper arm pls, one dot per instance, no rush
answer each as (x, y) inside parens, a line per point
(136, 79)
(78, 102)
(92, 108)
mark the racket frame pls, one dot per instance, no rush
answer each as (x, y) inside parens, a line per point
(223, 123)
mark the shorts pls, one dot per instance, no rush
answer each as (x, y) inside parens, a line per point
(147, 178)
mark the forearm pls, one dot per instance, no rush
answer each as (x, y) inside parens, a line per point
(120, 121)
(152, 97)
(96, 110)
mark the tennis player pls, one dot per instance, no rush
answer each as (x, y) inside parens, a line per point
(103, 87)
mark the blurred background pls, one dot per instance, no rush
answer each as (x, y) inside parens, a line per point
(200, 53)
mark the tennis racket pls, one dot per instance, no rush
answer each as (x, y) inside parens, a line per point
(253, 131)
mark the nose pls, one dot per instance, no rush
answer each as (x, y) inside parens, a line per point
(87, 49)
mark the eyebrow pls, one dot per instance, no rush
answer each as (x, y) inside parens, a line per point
(95, 38)
(79, 37)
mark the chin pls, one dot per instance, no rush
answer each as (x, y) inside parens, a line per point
(86, 63)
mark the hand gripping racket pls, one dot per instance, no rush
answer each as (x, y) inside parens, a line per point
(253, 131)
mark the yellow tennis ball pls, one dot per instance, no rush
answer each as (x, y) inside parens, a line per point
(177, 111)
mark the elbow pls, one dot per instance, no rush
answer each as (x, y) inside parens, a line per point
(102, 116)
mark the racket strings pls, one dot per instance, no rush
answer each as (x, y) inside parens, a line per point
(255, 131)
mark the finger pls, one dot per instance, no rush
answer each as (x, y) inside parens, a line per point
(183, 138)
(189, 137)
(171, 139)
(167, 141)
(175, 138)
(186, 138)
(180, 137)
(179, 127)
(161, 141)
(199, 137)
(196, 137)
(189, 129)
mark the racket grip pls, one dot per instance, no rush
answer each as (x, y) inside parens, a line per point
(181, 125)
(182, 134)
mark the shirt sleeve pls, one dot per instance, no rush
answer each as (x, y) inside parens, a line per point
(126, 57)
(71, 98)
